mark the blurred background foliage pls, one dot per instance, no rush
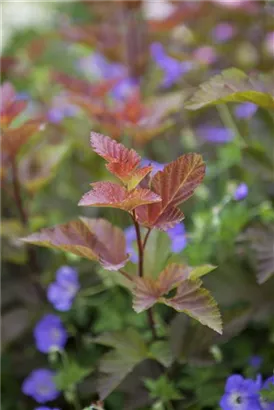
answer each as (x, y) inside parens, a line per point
(228, 222)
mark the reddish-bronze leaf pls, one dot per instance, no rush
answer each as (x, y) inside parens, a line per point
(197, 302)
(95, 239)
(190, 297)
(146, 294)
(122, 162)
(10, 106)
(175, 184)
(114, 152)
(115, 196)
(148, 291)
(13, 138)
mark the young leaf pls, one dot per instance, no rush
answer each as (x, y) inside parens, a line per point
(129, 350)
(122, 162)
(197, 302)
(95, 239)
(10, 106)
(175, 184)
(232, 85)
(115, 196)
(71, 375)
(12, 139)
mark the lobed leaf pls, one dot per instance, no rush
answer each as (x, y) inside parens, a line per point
(197, 302)
(148, 291)
(94, 239)
(190, 297)
(115, 196)
(232, 85)
(129, 350)
(175, 184)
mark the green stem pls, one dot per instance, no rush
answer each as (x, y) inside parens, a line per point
(229, 122)
(146, 238)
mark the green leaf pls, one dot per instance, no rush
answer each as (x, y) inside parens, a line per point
(163, 389)
(160, 351)
(129, 349)
(157, 253)
(198, 271)
(268, 394)
(232, 85)
(70, 375)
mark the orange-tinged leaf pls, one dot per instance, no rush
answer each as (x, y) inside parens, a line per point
(197, 302)
(137, 176)
(95, 239)
(122, 162)
(12, 139)
(114, 152)
(115, 196)
(175, 184)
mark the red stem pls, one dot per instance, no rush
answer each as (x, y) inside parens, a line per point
(141, 247)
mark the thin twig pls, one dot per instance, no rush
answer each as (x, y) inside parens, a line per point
(140, 245)
(146, 238)
(152, 324)
(125, 274)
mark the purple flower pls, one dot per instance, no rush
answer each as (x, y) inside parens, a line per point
(50, 333)
(245, 110)
(124, 88)
(130, 235)
(45, 408)
(40, 386)
(156, 165)
(218, 135)
(100, 68)
(178, 238)
(240, 192)
(240, 394)
(223, 32)
(255, 361)
(173, 69)
(62, 292)
(205, 55)
(61, 108)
